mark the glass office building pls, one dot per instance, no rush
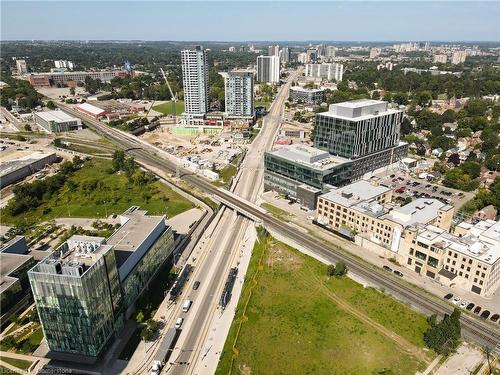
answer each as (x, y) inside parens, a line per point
(357, 128)
(77, 295)
(86, 289)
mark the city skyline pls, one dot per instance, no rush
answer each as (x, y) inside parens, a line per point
(376, 21)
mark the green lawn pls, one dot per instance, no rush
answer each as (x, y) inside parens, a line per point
(19, 363)
(93, 192)
(166, 108)
(87, 149)
(293, 326)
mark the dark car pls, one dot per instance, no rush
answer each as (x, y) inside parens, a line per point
(398, 273)
(448, 296)
(485, 314)
(393, 175)
(387, 268)
(494, 317)
(477, 309)
(196, 285)
(470, 306)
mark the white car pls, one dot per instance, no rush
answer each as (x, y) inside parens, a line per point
(455, 300)
(178, 323)
(463, 304)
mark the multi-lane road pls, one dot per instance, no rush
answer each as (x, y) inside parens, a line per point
(241, 200)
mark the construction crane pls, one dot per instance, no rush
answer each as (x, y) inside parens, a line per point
(174, 97)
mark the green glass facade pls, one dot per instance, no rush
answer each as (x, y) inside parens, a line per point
(285, 175)
(78, 312)
(146, 268)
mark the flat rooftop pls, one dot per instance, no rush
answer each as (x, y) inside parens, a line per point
(474, 244)
(11, 262)
(90, 108)
(355, 193)
(10, 166)
(311, 157)
(419, 211)
(74, 257)
(56, 116)
(357, 110)
(303, 89)
(136, 228)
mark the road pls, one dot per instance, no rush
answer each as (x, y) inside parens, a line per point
(481, 332)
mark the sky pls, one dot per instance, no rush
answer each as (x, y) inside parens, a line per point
(251, 20)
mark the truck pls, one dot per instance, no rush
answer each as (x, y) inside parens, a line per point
(187, 305)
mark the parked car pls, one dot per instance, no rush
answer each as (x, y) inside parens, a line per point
(470, 306)
(196, 285)
(398, 273)
(485, 314)
(448, 296)
(455, 300)
(387, 268)
(477, 309)
(463, 304)
(494, 317)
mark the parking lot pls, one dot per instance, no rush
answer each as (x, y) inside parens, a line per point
(405, 186)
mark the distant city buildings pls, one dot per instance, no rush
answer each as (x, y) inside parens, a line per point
(195, 83)
(21, 67)
(388, 65)
(273, 50)
(330, 52)
(64, 64)
(73, 78)
(302, 58)
(238, 91)
(306, 95)
(286, 55)
(458, 57)
(86, 289)
(374, 52)
(405, 47)
(312, 54)
(441, 59)
(328, 71)
(268, 69)
(56, 121)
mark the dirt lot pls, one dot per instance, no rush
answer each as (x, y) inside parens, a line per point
(217, 149)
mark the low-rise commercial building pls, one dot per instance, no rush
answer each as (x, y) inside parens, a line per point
(15, 170)
(289, 167)
(468, 258)
(87, 287)
(57, 121)
(64, 77)
(364, 209)
(304, 95)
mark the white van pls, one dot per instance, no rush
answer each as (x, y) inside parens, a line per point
(178, 323)
(187, 305)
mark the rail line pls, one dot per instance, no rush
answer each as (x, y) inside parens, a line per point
(481, 332)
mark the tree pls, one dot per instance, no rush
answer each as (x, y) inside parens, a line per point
(444, 337)
(448, 116)
(340, 269)
(50, 105)
(330, 270)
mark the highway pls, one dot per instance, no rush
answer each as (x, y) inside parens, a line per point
(473, 328)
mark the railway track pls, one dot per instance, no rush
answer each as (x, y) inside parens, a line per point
(481, 332)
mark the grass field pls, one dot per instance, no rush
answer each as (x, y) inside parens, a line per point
(262, 104)
(166, 108)
(19, 363)
(292, 319)
(228, 172)
(93, 192)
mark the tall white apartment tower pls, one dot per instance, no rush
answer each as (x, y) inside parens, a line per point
(195, 81)
(285, 55)
(268, 69)
(273, 50)
(238, 92)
